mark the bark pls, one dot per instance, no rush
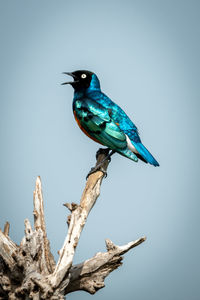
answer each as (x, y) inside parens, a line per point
(28, 270)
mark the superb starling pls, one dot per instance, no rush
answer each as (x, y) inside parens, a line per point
(103, 120)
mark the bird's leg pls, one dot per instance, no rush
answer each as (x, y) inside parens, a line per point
(108, 157)
(99, 166)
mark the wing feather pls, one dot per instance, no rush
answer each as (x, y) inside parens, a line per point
(95, 119)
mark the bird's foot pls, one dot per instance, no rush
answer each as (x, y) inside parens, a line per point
(95, 169)
(99, 166)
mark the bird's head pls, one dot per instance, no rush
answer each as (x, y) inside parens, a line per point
(83, 80)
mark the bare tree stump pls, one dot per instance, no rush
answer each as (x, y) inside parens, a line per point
(28, 270)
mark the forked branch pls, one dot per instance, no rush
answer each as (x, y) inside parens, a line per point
(29, 271)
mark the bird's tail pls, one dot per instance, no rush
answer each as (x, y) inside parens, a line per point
(146, 154)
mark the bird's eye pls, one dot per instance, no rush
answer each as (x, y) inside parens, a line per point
(83, 76)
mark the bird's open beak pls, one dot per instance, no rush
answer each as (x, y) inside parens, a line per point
(70, 74)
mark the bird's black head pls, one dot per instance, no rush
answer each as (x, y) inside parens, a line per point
(82, 79)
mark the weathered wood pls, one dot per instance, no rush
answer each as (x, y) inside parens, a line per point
(6, 228)
(47, 260)
(28, 271)
(89, 275)
(7, 249)
(77, 221)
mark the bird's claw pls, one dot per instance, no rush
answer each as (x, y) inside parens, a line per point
(95, 169)
(109, 159)
(99, 167)
(105, 174)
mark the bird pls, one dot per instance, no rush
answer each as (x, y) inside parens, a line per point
(103, 120)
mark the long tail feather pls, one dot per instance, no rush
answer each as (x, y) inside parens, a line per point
(146, 154)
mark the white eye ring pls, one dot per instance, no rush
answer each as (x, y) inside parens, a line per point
(83, 76)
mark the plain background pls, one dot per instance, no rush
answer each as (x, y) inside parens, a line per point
(146, 54)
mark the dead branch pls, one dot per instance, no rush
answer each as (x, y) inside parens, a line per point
(6, 228)
(28, 271)
(47, 260)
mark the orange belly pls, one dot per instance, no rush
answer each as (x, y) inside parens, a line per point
(83, 129)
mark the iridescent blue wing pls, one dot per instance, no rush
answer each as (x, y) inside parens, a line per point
(117, 115)
(97, 123)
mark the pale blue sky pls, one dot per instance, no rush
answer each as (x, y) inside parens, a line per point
(146, 55)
